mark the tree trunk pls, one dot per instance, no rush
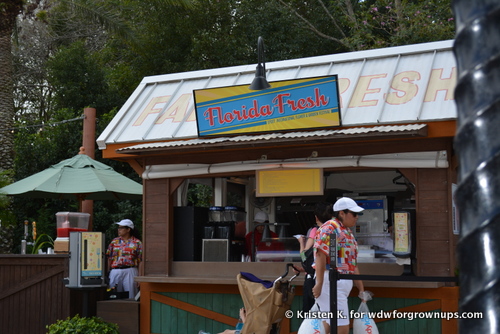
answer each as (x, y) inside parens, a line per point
(8, 12)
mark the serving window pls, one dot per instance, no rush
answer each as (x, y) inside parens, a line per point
(211, 223)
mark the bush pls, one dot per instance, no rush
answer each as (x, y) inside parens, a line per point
(83, 325)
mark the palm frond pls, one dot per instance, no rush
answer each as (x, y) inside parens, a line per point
(105, 15)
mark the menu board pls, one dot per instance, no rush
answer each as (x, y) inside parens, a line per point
(289, 182)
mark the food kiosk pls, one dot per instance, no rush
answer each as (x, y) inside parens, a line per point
(387, 143)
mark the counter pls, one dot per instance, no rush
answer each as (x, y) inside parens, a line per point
(225, 273)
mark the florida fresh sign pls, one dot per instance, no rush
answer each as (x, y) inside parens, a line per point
(294, 104)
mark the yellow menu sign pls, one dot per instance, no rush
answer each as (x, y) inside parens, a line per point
(401, 233)
(289, 182)
(92, 254)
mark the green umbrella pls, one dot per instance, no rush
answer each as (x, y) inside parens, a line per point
(79, 178)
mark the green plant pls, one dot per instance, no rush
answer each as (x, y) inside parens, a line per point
(83, 325)
(39, 243)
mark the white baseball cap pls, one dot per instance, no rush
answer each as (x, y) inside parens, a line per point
(126, 222)
(346, 203)
(260, 217)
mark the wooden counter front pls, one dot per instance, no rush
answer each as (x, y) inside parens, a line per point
(205, 295)
(226, 272)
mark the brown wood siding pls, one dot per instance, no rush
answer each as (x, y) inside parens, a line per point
(434, 253)
(155, 229)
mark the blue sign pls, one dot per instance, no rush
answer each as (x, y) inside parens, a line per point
(295, 104)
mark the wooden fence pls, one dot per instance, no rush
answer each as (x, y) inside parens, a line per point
(33, 294)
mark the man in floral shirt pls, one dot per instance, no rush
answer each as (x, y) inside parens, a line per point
(124, 256)
(345, 212)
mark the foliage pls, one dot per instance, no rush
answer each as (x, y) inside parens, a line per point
(82, 325)
(40, 243)
(362, 25)
(6, 217)
(392, 23)
(5, 179)
(6, 238)
(106, 213)
(96, 13)
(199, 195)
(78, 79)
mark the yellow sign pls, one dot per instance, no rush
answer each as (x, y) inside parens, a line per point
(289, 182)
(91, 254)
(401, 233)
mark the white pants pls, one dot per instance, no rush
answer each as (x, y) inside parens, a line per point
(344, 287)
(123, 279)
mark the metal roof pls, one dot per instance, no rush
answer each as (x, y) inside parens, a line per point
(406, 84)
(411, 128)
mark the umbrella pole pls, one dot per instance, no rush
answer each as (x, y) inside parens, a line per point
(80, 203)
(87, 206)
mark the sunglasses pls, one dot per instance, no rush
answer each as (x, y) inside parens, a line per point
(354, 214)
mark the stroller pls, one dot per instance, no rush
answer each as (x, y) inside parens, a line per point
(265, 302)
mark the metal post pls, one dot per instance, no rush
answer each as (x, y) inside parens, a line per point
(333, 277)
(24, 241)
(477, 51)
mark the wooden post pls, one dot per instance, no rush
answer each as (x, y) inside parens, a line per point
(88, 142)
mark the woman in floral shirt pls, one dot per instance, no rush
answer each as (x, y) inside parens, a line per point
(124, 256)
(345, 217)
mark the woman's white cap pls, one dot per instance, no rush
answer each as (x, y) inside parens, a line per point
(346, 203)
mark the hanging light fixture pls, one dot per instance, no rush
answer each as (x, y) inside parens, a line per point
(283, 235)
(260, 81)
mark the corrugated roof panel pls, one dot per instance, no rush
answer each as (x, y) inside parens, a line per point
(275, 136)
(439, 98)
(404, 89)
(400, 84)
(364, 100)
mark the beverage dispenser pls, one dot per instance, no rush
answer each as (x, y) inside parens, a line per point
(68, 222)
(371, 230)
(374, 218)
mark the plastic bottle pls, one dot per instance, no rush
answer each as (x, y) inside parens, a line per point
(239, 326)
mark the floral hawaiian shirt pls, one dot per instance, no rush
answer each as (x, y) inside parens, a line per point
(347, 247)
(125, 253)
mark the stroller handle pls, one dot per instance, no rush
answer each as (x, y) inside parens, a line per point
(288, 265)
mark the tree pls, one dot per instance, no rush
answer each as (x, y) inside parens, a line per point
(362, 25)
(78, 80)
(32, 93)
(6, 216)
(9, 9)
